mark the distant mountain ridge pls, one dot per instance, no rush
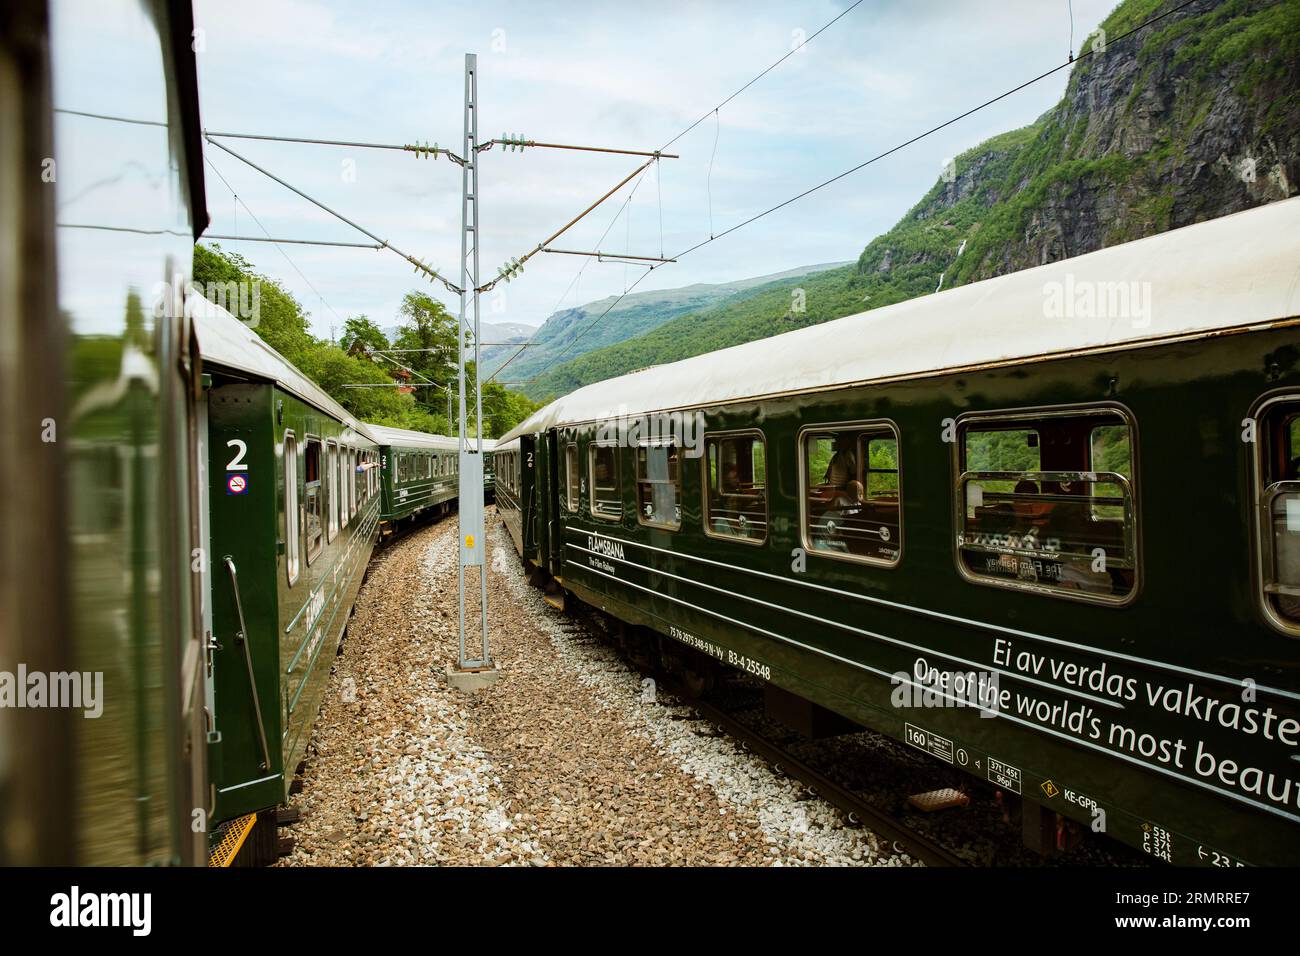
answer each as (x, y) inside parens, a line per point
(636, 314)
(1195, 116)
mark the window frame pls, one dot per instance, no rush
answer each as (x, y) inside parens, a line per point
(354, 455)
(636, 482)
(344, 504)
(572, 504)
(592, 446)
(292, 533)
(331, 472)
(1261, 507)
(322, 462)
(1037, 413)
(706, 487)
(805, 540)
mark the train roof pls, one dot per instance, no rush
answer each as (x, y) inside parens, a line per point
(1232, 273)
(405, 438)
(226, 341)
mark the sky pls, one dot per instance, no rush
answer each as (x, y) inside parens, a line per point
(621, 75)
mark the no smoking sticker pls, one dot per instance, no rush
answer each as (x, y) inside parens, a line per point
(236, 484)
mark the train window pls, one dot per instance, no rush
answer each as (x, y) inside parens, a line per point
(313, 492)
(851, 494)
(1277, 487)
(602, 461)
(344, 508)
(572, 477)
(735, 501)
(332, 490)
(1045, 502)
(291, 507)
(352, 479)
(659, 486)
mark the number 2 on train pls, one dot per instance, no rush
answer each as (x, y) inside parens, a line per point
(241, 449)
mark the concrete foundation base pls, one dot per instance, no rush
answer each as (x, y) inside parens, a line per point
(470, 681)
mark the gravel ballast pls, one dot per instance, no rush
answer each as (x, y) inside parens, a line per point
(571, 758)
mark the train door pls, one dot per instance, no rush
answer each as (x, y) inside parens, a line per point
(549, 550)
(525, 479)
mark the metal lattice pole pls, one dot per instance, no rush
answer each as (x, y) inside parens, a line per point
(471, 546)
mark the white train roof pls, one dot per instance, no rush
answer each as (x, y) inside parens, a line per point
(225, 340)
(1236, 272)
(405, 438)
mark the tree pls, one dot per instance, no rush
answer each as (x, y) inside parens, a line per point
(281, 321)
(504, 409)
(359, 333)
(426, 325)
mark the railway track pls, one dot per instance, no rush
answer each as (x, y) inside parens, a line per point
(856, 809)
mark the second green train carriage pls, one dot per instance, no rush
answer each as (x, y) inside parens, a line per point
(419, 474)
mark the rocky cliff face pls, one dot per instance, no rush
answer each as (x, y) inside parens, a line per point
(1194, 117)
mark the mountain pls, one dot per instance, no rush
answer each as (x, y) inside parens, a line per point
(1193, 117)
(499, 336)
(635, 315)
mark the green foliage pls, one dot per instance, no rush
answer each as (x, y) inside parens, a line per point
(284, 326)
(359, 333)
(504, 409)
(281, 320)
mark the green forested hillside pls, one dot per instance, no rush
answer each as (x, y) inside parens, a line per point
(573, 332)
(1194, 117)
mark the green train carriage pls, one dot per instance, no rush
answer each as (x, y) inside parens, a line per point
(1094, 512)
(419, 475)
(489, 467)
(292, 497)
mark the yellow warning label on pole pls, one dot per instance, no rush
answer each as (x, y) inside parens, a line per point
(469, 541)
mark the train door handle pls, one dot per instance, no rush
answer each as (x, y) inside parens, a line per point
(242, 638)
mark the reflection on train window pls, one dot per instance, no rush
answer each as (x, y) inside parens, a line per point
(571, 477)
(1278, 440)
(352, 480)
(331, 490)
(313, 492)
(1045, 501)
(735, 505)
(343, 508)
(291, 507)
(606, 502)
(851, 492)
(658, 486)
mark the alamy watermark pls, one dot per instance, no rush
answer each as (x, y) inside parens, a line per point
(241, 299)
(682, 429)
(1088, 299)
(927, 686)
(81, 690)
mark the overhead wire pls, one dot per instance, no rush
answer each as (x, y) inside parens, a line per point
(658, 171)
(294, 265)
(863, 165)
